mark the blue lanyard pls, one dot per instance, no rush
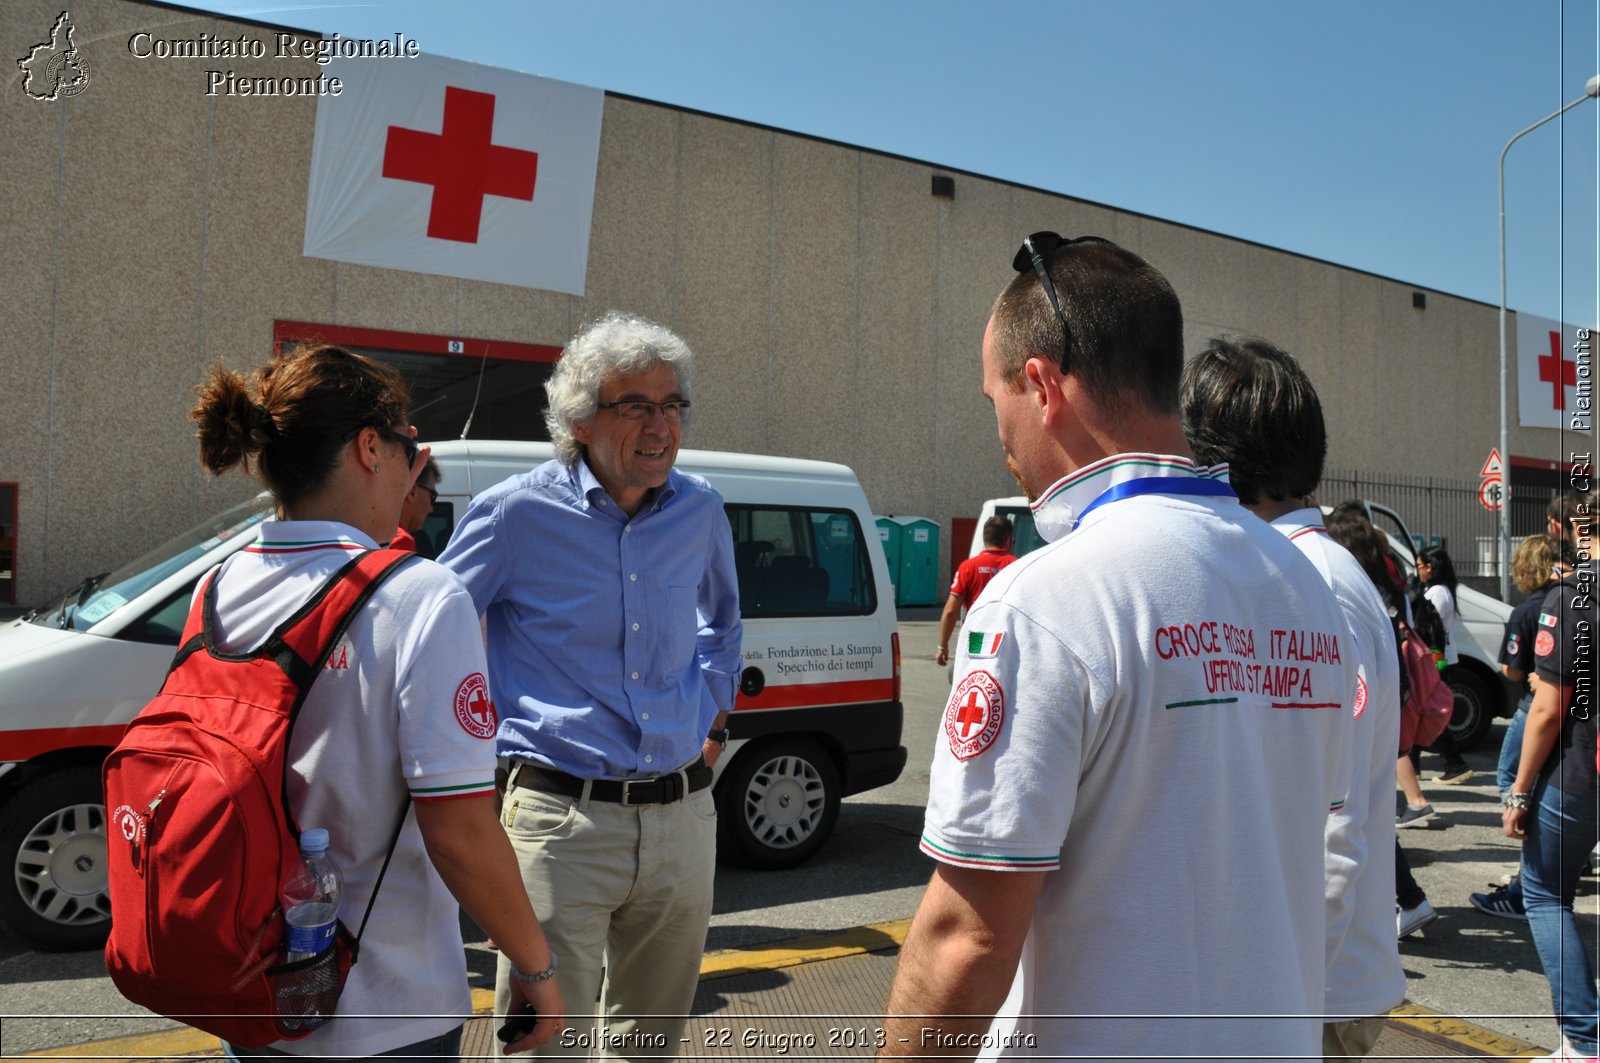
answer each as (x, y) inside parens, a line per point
(1158, 485)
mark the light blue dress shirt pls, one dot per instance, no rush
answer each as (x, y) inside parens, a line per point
(613, 642)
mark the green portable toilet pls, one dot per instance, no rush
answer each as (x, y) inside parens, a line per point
(889, 536)
(914, 563)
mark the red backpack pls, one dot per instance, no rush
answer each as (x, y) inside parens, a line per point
(200, 834)
(1429, 702)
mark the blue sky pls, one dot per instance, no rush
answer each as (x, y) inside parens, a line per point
(1364, 132)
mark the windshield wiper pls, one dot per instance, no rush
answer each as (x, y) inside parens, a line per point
(82, 591)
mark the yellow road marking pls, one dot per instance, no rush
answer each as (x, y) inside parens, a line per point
(1464, 1033)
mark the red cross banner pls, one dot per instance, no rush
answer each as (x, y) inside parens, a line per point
(456, 169)
(1552, 359)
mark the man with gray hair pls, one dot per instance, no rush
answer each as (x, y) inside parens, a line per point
(607, 585)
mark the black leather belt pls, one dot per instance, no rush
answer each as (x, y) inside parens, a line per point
(662, 790)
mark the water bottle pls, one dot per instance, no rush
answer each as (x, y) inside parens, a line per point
(311, 898)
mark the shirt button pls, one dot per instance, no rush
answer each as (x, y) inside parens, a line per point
(648, 759)
(644, 716)
(634, 576)
(636, 627)
(627, 528)
(636, 675)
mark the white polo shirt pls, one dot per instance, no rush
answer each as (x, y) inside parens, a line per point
(400, 713)
(1365, 977)
(1152, 711)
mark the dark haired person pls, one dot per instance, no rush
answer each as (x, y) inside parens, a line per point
(1437, 575)
(972, 576)
(1552, 804)
(1250, 406)
(417, 505)
(382, 725)
(1102, 712)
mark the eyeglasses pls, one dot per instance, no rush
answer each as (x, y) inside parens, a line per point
(638, 410)
(433, 493)
(1034, 252)
(393, 437)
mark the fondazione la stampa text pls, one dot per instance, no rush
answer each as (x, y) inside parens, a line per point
(323, 50)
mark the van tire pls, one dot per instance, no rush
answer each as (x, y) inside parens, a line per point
(53, 854)
(778, 803)
(1474, 709)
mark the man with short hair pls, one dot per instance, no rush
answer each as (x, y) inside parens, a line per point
(1128, 793)
(1250, 406)
(973, 575)
(417, 505)
(607, 583)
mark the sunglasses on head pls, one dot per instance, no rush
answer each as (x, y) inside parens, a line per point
(1035, 253)
(394, 437)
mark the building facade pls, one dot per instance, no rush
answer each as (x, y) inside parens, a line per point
(835, 303)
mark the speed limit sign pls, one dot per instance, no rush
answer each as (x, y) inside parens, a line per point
(1490, 494)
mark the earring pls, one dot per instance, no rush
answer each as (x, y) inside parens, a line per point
(376, 468)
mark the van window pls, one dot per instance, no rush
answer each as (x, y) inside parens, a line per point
(797, 561)
(1022, 527)
(97, 597)
(435, 531)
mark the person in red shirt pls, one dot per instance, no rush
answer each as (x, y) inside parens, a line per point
(972, 576)
(418, 504)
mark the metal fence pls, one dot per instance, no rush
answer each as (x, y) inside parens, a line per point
(1443, 512)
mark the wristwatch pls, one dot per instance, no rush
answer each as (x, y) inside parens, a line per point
(1517, 801)
(719, 735)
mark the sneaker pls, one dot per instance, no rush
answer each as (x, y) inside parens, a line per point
(1503, 903)
(1506, 879)
(1414, 817)
(1451, 775)
(1565, 1054)
(1410, 920)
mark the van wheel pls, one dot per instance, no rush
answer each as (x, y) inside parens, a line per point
(1474, 711)
(53, 848)
(778, 804)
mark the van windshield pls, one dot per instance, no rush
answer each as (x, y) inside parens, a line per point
(97, 597)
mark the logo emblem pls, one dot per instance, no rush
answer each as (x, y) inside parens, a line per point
(474, 711)
(55, 68)
(973, 717)
(1545, 644)
(1361, 693)
(129, 824)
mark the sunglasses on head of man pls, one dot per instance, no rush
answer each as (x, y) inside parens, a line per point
(1035, 253)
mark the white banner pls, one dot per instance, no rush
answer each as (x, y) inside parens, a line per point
(1555, 370)
(452, 168)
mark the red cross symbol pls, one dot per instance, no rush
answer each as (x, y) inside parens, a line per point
(461, 164)
(1555, 370)
(479, 706)
(972, 713)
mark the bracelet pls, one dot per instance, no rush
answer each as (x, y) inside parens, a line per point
(1518, 801)
(537, 976)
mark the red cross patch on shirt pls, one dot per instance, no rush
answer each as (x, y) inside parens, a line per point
(973, 717)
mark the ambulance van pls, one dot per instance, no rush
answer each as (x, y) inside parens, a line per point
(817, 718)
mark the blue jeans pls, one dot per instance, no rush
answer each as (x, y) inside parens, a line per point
(446, 1048)
(1505, 776)
(1561, 831)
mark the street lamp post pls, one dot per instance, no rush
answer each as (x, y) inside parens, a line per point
(1590, 91)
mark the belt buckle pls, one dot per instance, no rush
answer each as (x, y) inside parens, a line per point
(627, 789)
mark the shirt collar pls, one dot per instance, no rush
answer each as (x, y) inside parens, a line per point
(1298, 522)
(309, 534)
(589, 489)
(1055, 513)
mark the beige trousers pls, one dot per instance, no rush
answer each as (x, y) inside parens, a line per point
(624, 893)
(1350, 1039)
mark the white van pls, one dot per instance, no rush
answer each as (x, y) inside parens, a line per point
(1481, 693)
(818, 715)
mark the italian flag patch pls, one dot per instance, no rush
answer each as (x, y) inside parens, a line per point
(1546, 620)
(984, 643)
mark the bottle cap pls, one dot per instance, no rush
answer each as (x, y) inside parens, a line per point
(314, 840)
